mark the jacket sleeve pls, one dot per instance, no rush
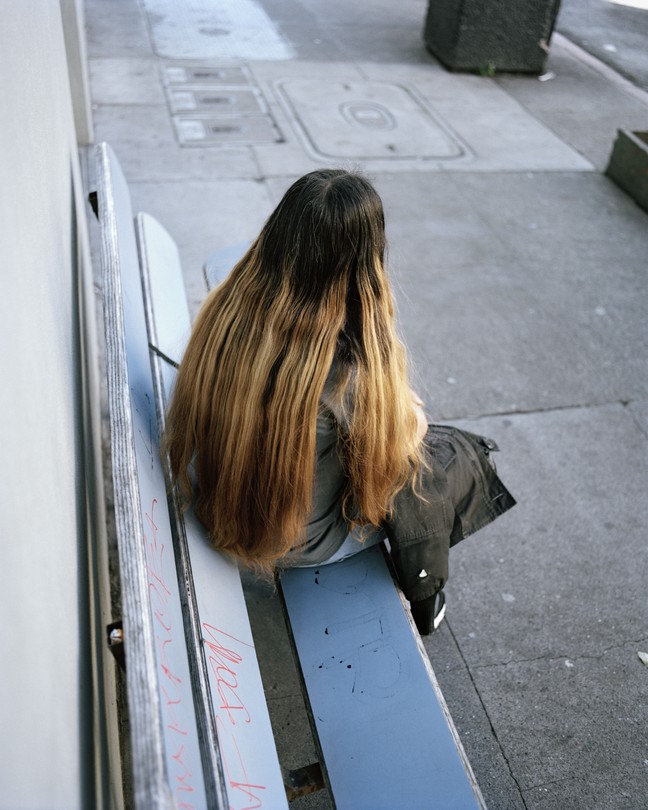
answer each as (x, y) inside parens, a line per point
(419, 530)
(459, 492)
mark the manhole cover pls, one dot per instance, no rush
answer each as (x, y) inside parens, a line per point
(367, 120)
(215, 100)
(249, 129)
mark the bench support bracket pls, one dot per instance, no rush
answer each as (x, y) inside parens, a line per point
(302, 781)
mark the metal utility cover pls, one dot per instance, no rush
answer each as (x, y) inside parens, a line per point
(211, 74)
(251, 129)
(367, 120)
(214, 100)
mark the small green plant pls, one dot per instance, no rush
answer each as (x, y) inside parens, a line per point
(488, 70)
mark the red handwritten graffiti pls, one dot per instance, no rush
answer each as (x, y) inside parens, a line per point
(171, 685)
(226, 657)
(183, 777)
(222, 662)
(236, 772)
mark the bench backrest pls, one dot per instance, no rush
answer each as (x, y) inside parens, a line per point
(200, 731)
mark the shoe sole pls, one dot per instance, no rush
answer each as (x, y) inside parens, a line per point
(440, 616)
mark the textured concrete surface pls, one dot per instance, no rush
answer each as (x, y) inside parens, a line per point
(613, 30)
(521, 282)
(554, 667)
(471, 36)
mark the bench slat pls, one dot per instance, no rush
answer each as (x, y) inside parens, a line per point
(220, 625)
(385, 733)
(167, 765)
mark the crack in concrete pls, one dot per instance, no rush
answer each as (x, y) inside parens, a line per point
(550, 658)
(548, 409)
(638, 424)
(487, 715)
(600, 655)
(552, 782)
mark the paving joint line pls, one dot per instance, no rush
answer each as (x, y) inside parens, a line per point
(149, 28)
(487, 715)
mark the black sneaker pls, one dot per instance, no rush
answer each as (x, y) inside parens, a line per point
(428, 613)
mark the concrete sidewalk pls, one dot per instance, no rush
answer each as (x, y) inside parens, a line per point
(615, 31)
(522, 283)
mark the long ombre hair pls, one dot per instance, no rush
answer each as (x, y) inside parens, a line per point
(241, 429)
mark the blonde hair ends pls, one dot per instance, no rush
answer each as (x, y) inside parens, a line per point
(241, 428)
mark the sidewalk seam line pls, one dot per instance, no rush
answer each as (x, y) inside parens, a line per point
(487, 715)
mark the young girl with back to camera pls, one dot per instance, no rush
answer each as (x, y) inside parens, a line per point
(293, 430)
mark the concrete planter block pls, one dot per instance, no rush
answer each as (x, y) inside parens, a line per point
(488, 36)
(628, 165)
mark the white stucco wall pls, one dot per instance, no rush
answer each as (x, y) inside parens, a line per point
(46, 703)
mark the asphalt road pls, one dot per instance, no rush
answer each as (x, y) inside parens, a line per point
(615, 31)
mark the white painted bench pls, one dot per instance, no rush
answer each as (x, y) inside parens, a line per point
(200, 731)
